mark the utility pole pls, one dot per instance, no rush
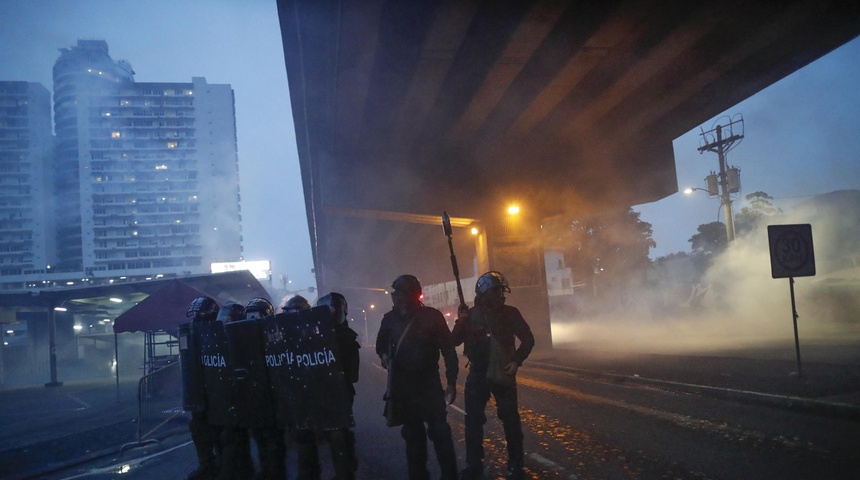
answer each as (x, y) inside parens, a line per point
(720, 140)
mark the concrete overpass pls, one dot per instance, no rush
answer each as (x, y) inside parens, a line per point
(406, 109)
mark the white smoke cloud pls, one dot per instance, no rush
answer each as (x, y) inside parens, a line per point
(737, 305)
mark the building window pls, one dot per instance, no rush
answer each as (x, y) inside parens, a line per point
(172, 144)
(115, 135)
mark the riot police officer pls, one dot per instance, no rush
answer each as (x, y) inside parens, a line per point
(204, 435)
(271, 446)
(231, 312)
(236, 462)
(296, 303)
(342, 440)
(488, 330)
(306, 443)
(409, 343)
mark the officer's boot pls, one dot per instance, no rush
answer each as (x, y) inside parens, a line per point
(230, 451)
(244, 463)
(205, 440)
(309, 467)
(273, 457)
(342, 444)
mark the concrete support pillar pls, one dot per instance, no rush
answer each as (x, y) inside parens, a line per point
(515, 249)
(52, 330)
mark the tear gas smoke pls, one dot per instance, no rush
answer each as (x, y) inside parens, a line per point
(736, 305)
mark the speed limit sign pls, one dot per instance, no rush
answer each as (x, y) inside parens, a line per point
(791, 252)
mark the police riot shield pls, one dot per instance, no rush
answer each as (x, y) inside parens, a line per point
(214, 361)
(251, 388)
(193, 399)
(310, 389)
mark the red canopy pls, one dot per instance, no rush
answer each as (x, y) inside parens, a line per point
(164, 309)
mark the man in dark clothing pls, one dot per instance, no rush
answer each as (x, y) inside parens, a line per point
(410, 340)
(270, 439)
(204, 435)
(236, 461)
(488, 330)
(342, 441)
(294, 304)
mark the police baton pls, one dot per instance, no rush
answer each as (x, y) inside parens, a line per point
(449, 232)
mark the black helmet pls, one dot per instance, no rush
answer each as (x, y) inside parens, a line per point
(407, 285)
(295, 304)
(337, 303)
(490, 280)
(204, 308)
(261, 306)
(231, 312)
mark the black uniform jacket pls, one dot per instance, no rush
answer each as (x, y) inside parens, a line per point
(504, 324)
(415, 364)
(348, 353)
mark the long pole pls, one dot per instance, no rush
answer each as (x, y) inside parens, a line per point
(366, 335)
(116, 363)
(2, 366)
(794, 320)
(449, 232)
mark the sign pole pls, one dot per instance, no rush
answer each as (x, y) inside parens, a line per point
(792, 255)
(794, 319)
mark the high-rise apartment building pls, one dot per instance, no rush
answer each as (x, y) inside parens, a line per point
(147, 174)
(25, 181)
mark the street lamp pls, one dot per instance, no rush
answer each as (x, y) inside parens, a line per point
(690, 190)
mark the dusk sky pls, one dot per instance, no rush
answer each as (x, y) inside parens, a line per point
(232, 42)
(800, 141)
(799, 132)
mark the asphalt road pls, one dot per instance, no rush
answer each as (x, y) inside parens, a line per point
(584, 416)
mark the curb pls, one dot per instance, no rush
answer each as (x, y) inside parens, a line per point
(842, 410)
(118, 451)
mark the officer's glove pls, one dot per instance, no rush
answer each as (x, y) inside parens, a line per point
(450, 394)
(463, 313)
(383, 359)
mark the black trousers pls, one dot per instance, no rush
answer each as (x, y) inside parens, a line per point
(477, 394)
(342, 447)
(425, 416)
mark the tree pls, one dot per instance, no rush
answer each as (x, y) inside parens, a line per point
(754, 216)
(608, 251)
(710, 239)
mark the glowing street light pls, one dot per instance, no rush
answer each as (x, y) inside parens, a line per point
(513, 209)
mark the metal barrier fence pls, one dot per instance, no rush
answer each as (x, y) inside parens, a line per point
(159, 397)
